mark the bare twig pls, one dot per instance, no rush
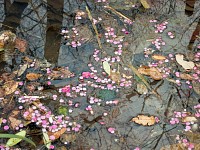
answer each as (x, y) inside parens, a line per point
(94, 27)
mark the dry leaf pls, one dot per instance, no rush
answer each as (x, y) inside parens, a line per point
(145, 4)
(144, 120)
(58, 133)
(60, 73)
(115, 76)
(185, 64)
(185, 76)
(21, 44)
(106, 67)
(1, 45)
(125, 76)
(152, 72)
(10, 87)
(33, 76)
(67, 137)
(189, 119)
(141, 88)
(22, 69)
(14, 122)
(158, 57)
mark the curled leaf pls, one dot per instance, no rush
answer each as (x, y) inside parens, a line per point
(144, 120)
(185, 64)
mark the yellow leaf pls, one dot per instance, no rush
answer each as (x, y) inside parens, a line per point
(14, 141)
(106, 67)
(145, 4)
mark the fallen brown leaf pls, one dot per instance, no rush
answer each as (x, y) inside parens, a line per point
(144, 120)
(33, 76)
(60, 73)
(115, 76)
(152, 72)
(185, 76)
(178, 146)
(10, 87)
(13, 119)
(189, 119)
(67, 137)
(158, 57)
(58, 133)
(21, 44)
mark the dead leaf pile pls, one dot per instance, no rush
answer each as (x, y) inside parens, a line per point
(150, 71)
(144, 120)
(185, 64)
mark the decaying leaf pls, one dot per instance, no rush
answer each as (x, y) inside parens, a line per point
(10, 87)
(33, 76)
(67, 137)
(46, 139)
(22, 69)
(21, 44)
(106, 67)
(144, 120)
(141, 88)
(145, 4)
(196, 87)
(13, 119)
(185, 76)
(60, 73)
(152, 72)
(115, 76)
(178, 146)
(158, 57)
(58, 133)
(189, 119)
(185, 64)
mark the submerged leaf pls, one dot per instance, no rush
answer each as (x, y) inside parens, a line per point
(150, 71)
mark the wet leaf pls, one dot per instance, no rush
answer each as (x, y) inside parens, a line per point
(115, 76)
(141, 88)
(196, 87)
(22, 69)
(13, 119)
(10, 87)
(68, 137)
(106, 67)
(115, 112)
(60, 73)
(46, 139)
(33, 76)
(152, 72)
(21, 44)
(14, 141)
(58, 133)
(145, 4)
(189, 119)
(178, 146)
(158, 57)
(144, 120)
(185, 76)
(185, 64)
